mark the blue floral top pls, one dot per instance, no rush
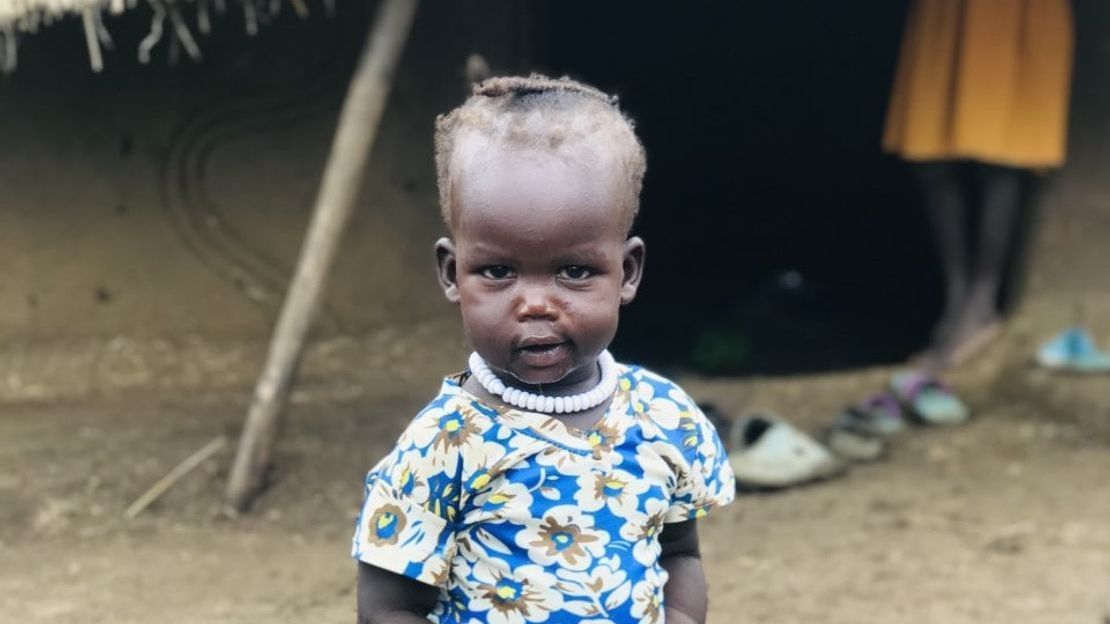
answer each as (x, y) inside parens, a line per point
(519, 518)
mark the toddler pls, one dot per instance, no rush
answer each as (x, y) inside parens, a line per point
(547, 483)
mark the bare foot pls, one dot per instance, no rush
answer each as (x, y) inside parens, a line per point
(970, 339)
(934, 357)
(931, 359)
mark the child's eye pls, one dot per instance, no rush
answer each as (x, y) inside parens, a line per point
(497, 272)
(576, 272)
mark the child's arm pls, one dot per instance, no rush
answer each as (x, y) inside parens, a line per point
(385, 597)
(686, 595)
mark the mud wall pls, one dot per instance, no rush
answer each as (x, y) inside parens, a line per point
(166, 200)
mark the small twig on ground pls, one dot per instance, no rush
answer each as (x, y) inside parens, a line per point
(165, 483)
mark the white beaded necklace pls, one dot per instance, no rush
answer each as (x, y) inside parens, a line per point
(543, 403)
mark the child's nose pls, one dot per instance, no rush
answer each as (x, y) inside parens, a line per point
(536, 302)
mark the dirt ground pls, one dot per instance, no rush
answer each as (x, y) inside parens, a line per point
(1001, 520)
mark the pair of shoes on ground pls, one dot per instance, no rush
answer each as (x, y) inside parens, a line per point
(915, 397)
(1073, 351)
(768, 453)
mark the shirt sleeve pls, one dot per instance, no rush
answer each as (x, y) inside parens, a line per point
(406, 524)
(704, 479)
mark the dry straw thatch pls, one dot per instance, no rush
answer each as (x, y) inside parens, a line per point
(169, 21)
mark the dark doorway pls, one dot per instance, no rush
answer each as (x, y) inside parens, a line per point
(780, 238)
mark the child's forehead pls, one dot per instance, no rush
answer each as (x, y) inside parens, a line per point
(534, 196)
(512, 175)
(533, 178)
(537, 236)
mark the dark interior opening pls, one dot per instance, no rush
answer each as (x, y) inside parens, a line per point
(781, 239)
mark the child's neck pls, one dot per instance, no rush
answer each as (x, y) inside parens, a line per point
(584, 419)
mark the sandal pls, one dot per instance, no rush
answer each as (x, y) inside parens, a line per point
(928, 399)
(854, 444)
(771, 454)
(1073, 351)
(880, 414)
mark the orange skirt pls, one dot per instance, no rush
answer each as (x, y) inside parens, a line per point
(987, 80)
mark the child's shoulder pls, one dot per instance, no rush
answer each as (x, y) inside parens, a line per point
(670, 413)
(647, 383)
(451, 397)
(454, 411)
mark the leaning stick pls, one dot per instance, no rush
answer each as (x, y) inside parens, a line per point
(354, 136)
(165, 483)
(92, 39)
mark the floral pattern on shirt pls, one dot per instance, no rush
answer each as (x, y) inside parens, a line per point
(518, 518)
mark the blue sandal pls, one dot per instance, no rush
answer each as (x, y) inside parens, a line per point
(1074, 351)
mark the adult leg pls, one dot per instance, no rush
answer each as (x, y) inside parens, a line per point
(1000, 204)
(1015, 275)
(946, 205)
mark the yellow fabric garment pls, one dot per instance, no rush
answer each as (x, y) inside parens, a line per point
(986, 80)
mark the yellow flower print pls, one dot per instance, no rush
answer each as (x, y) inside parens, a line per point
(603, 437)
(455, 430)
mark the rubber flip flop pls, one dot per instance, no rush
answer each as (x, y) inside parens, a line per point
(772, 454)
(880, 414)
(854, 444)
(1073, 350)
(928, 399)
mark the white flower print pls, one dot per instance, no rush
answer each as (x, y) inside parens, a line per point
(665, 413)
(563, 461)
(643, 529)
(617, 489)
(513, 596)
(563, 537)
(406, 479)
(661, 463)
(504, 500)
(444, 433)
(599, 590)
(655, 415)
(647, 597)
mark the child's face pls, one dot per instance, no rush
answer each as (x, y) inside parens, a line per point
(539, 263)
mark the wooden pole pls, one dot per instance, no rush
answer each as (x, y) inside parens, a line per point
(354, 136)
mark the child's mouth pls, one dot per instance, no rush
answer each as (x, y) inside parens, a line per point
(545, 354)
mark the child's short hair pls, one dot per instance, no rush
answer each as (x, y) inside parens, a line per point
(543, 113)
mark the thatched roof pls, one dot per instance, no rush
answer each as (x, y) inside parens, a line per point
(24, 12)
(170, 21)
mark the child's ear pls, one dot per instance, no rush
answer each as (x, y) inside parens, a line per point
(445, 265)
(633, 266)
